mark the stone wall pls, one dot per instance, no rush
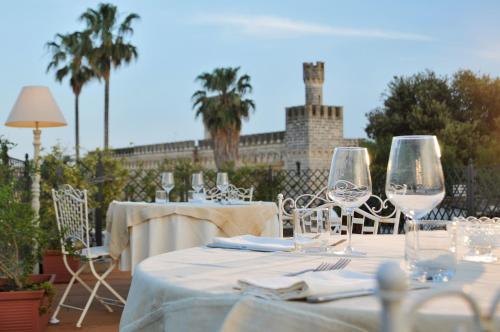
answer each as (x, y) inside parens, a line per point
(312, 132)
(266, 148)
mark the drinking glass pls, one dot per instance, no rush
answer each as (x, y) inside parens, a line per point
(167, 183)
(197, 182)
(222, 183)
(430, 250)
(312, 229)
(477, 239)
(350, 185)
(415, 181)
(161, 196)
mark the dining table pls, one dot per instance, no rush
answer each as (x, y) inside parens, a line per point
(138, 230)
(196, 289)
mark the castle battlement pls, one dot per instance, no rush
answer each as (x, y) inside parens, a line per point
(298, 112)
(181, 146)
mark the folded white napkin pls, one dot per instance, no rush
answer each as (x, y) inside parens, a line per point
(251, 242)
(307, 284)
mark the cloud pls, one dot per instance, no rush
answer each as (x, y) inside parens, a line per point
(272, 26)
(490, 53)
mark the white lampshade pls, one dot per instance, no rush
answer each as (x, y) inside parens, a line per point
(35, 107)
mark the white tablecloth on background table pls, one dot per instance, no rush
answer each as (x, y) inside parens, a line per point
(137, 230)
(193, 290)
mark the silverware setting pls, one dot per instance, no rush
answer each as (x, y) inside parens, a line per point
(352, 294)
(338, 265)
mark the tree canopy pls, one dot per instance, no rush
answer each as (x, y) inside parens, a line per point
(463, 111)
(223, 105)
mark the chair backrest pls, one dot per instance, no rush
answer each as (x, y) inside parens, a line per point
(397, 317)
(371, 215)
(72, 215)
(233, 193)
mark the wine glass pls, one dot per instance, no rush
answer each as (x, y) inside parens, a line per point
(197, 182)
(415, 185)
(415, 181)
(222, 183)
(350, 184)
(167, 183)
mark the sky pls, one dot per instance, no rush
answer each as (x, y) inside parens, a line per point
(364, 44)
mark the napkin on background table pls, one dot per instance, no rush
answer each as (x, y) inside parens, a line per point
(251, 242)
(308, 284)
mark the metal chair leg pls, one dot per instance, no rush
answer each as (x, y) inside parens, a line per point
(87, 306)
(102, 278)
(53, 319)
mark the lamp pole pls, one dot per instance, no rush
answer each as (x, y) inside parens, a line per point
(35, 186)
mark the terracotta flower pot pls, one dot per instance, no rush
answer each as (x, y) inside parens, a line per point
(53, 264)
(19, 310)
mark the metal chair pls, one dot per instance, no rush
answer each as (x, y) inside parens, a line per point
(375, 211)
(232, 193)
(72, 221)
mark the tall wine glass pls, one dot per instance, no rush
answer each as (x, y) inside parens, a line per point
(167, 183)
(222, 183)
(350, 184)
(197, 182)
(415, 181)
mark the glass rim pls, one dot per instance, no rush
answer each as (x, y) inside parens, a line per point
(413, 137)
(350, 148)
(431, 222)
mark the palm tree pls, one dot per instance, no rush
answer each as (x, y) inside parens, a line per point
(112, 50)
(68, 58)
(222, 104)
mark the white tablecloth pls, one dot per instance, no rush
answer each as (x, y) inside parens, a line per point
(193, 290)
(136, 231)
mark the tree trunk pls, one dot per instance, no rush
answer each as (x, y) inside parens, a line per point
(106, 113)
(225, 146)
(77, 127)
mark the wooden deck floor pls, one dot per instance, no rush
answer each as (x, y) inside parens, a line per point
(98, 318)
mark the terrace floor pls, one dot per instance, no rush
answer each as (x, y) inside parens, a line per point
(98, 318)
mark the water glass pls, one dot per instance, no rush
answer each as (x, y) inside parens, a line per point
(196, 197)
(161, 196)
(167, 182)
(477, 238)
(430, 250)
(312, 229)
(197, 182)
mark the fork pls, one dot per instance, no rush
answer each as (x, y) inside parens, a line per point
(338, 265)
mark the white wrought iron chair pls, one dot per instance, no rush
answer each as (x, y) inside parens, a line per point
(364, 215)
(72, 221)
(232, 193)
(395, 317)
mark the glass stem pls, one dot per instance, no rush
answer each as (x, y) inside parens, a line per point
(349, 214)
(167, 196)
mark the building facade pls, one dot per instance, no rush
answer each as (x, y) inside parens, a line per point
(311, 133)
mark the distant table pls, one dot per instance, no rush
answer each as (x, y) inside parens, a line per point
(193, 290)
(137, 230)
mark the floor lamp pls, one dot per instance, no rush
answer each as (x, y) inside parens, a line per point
(35, 108)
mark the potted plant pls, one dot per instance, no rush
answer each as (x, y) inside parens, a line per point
(25, 299)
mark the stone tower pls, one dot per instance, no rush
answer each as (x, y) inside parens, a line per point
(314, 76)
(313, 130)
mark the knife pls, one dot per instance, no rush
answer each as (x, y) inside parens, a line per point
(351, 294)
(337, 243)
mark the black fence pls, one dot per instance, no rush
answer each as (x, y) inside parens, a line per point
(470, 190)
